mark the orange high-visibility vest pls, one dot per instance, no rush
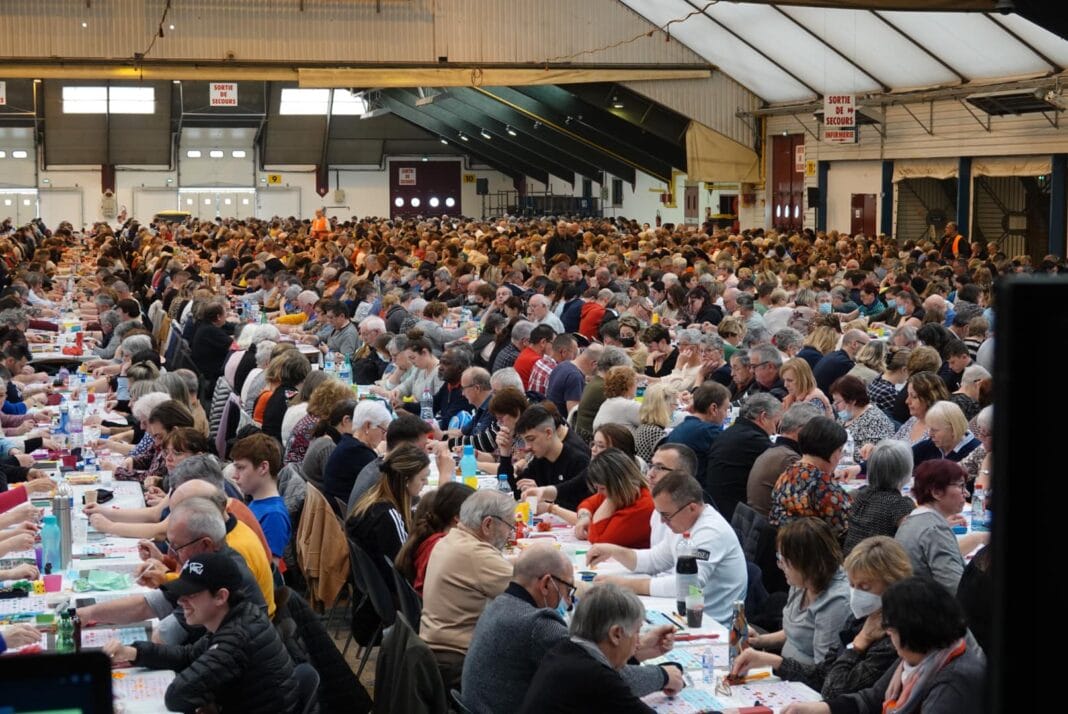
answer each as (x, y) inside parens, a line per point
(320, 227)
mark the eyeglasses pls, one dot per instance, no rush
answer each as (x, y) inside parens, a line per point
(667, 519)
(177, 548)
(759, 364)
(510, 526)
(571, 589)
(658, 467)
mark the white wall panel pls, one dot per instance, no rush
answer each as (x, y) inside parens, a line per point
(57, 205)
(147, 202)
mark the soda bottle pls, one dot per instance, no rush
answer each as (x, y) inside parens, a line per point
(685, 572)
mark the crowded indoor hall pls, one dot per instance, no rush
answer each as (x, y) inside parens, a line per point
(352, 375)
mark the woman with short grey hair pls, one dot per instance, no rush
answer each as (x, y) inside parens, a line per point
(879, 507)
(979, 463)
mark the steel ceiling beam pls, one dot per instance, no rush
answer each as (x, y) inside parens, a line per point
(547, 116)
(586, 161)
(522, 138)
(1057, 69)
(704, 13)
(853, 63)
(475, 147)
(610, 130)
(473, 131)
(639, 110)
(922, 48)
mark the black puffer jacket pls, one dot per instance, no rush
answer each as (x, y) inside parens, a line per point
(241, 667)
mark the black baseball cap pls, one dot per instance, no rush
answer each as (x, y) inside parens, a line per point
(207, 571)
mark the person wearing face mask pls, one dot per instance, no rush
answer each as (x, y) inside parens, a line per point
(519, 627)
(941, 669)
(865, 422)
(865, 651)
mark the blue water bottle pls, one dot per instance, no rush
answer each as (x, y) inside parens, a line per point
(51, 543)
(468, 463)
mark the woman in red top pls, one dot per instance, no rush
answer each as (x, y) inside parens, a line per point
(438, 511)
(619, 512)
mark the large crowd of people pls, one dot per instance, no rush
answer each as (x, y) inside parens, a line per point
(649, 386)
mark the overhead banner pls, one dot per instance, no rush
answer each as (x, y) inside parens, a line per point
(223, 94)
(839, 119)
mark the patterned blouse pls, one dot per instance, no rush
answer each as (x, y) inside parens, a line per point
(646, 437)
(870, 427)
(883, 394)
(904, 433)
(300, 438)
(804, 491)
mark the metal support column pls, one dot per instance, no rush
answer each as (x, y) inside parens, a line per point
(1058, 222)
(822, 168)
(886, 214)
(964, 195)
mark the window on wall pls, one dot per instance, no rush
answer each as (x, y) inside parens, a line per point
(104, 100)
(587, 188)
(304, 102)
(617, 192)
(316, 102)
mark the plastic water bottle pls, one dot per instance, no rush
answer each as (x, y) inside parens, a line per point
(61, 430)
(978, 509)
(64, 376)
(328, 363)
(847, 452)
(708, 665)
(344, 372)
(685, 572)
(76, 426)
(503, 486)
(51, 542)
(468, 463)
(426, 406)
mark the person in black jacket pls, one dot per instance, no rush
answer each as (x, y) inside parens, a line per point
(241, 665)
(380, 520)
(581, 674)
(553, 460)
(733, 453)
(210, 347)
(292, 367)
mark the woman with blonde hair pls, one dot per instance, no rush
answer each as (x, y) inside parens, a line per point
(948, 436)
(872, 567)
(820, 341)
(619, 406)
(871, 361)
(801, 386)
(655, 412)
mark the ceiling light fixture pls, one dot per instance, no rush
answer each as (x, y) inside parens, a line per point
(616, 103)
(510, 130)
(485, 135)
(443, 141)
(463, 138)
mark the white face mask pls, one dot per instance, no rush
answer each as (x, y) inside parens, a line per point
(864, 603)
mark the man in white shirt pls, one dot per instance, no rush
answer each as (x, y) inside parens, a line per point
(668, 458)
(540, 314)
(721, 568)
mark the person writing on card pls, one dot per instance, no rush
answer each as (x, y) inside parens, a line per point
(679, 499)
